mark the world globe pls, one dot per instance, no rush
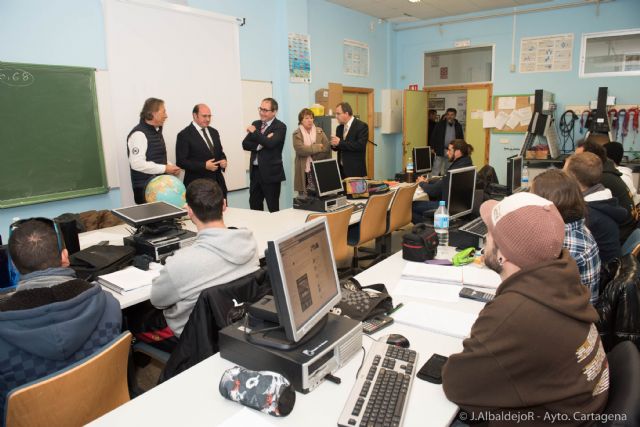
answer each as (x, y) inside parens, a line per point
(166, 188)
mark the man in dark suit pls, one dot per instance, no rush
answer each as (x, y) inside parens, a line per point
(350, 142)
(265, 139)
(199, 151)
(445, 131)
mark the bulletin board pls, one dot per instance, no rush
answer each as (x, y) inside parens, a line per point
(522, 101)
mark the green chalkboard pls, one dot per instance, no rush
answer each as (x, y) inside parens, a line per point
(50, 145)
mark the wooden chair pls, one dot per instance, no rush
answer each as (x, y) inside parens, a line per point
(399, 214)
(338, 229)
(75, 395)
(373, 224)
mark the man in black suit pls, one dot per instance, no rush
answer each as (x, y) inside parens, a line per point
(199, 151)
(350, 142)
(445, 131)
(265, 139)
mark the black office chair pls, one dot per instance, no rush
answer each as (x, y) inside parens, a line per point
(624, 385)
(199, 338)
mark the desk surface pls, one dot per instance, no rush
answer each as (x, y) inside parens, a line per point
(193, 399)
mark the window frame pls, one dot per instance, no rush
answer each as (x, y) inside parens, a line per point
(604, 34)
(493, 62)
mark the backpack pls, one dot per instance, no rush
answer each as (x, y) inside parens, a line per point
(420, 244)
(97, 260)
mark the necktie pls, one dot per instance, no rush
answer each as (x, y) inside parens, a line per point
(264, 127)
(346, 130)
(206, 138)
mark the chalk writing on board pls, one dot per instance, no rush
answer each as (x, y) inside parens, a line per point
(16, 77)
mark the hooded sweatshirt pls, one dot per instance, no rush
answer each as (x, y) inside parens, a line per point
(47, 328)
(534, 349)
(611, 180)
(604, 218)
(218, 256)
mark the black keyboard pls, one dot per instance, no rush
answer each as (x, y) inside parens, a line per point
(477, 227)
(381, 392)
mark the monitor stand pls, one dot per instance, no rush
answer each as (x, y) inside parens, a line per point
(267, 332)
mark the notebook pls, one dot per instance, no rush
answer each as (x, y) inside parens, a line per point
(128, 279)
(468, 275)
(436, 319)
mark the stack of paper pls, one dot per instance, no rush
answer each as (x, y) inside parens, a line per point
(129, 279)
(468, 275)
(436, 319)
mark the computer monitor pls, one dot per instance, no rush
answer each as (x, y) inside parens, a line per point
(514, 174)
(148, 213)
(461, 191)
(422, 159)
(327, 177)
(303, 277)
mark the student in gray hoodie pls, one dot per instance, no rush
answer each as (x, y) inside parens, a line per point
(219, 255)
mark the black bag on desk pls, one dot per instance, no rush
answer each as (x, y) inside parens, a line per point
(420, 244)
(362, 302)
(96, 260)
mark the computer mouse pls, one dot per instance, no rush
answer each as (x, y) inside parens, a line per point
(397, 340)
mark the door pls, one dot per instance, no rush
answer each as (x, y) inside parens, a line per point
(475, 134)
(414, 123)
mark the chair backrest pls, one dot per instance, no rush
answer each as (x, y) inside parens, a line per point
(338, 228)
(373, 222)
(400, 210)
(624, 385)
(199, 338)
(76, 395)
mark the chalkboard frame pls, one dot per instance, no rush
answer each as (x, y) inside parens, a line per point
(99, 178)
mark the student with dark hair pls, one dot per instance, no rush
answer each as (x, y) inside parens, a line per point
(564, 192)
(604, 215)
(611, 180)
(458, 152)
(219, 255)
(445, 131)
(615, 151)
(146, 149)
(53, 319)
(265, 140)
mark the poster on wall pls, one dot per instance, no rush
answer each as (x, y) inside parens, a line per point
(355, 58)
(546, 54)
(299, 58)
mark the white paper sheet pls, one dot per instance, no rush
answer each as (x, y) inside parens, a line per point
(432, 273)
(514, 119)
(488, 119)
(482, 277)
(476, 114)
(428, 290)
(436, 319)
(525, 115)
(128, 279)
(507, 103)
(501, 119)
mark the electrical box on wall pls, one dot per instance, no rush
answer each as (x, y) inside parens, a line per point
(391, 103)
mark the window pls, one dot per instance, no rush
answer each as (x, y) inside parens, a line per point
(458, 66)
(611, 53)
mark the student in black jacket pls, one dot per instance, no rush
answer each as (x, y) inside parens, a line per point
(458, 153)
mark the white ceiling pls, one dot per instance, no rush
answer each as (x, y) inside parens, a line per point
(404, 11)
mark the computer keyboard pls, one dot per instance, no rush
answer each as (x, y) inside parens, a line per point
(381, 392)
(477, 227)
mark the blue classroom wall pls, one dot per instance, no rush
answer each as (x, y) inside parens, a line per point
(410, 46)
(263, 56)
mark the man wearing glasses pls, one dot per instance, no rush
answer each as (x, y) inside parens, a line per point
(265, 140)
(53, 319)
(199, 150)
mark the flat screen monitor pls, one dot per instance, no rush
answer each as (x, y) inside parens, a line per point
(461, 191)
(514, 174)
(303, 277)
(422, 159)
(148, 213)
(327, 177)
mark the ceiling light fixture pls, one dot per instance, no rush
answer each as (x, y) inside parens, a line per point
(414, 1)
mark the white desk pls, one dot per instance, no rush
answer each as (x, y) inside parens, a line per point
(192, 398)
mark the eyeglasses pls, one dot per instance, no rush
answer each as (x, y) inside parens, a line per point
(49, 222)
(263, 110)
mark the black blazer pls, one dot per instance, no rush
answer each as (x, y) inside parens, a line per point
(352, 152)
(436, 141)
(270, 156)
(192, 153)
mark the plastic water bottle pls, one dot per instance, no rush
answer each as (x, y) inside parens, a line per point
(525, 177)
(409, 165)
(441, 224)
